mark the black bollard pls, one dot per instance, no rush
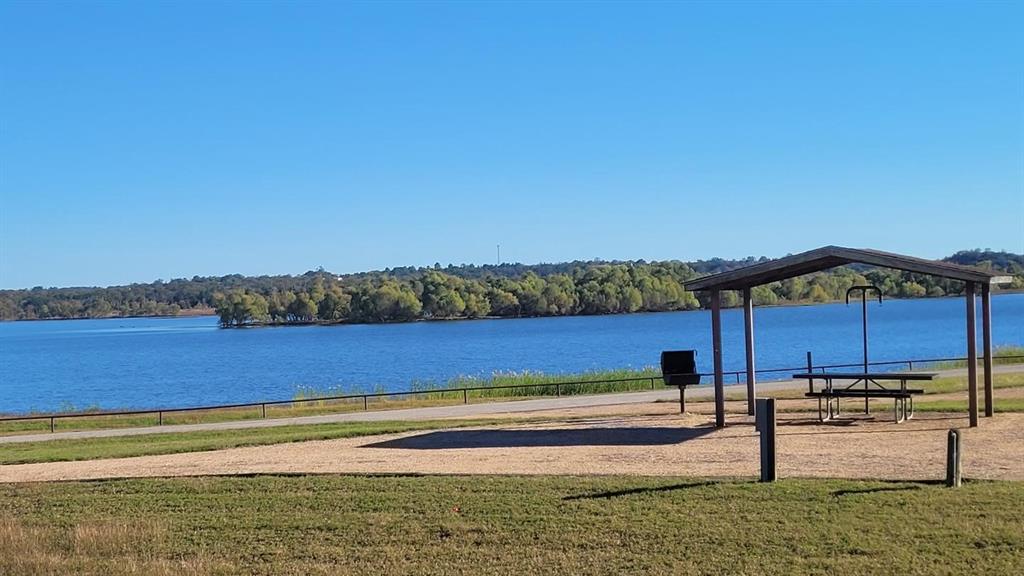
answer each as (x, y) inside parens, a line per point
(764, 421)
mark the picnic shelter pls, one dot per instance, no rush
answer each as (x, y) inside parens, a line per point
(743, 279)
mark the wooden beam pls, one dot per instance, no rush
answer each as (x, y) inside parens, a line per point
(748, 331)
(716, 346)
(986, 344)
(972, 357)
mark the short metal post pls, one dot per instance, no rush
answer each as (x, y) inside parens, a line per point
(953, 452)
(51, 423)
(160, 418)
(365, 407)
(682, 399)
(263, 408)
(558, 389)
(910, 364)
(764, 419)
(810, 370)
(465, 396)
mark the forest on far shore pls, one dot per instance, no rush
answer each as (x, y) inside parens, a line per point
(470, 291)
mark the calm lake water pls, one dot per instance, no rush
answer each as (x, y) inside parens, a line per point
(144, 363)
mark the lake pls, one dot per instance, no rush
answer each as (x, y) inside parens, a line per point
(172, 362)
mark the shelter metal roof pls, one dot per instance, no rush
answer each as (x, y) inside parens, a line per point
(833, 256)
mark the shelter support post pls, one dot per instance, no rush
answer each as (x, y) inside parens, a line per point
(748, 330)
(972, 357)
(716, 346)
(986, 344)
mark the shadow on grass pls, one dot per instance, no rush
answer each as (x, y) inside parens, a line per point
(444, 439)
(876, 489)
(902, 486)
(634, 491)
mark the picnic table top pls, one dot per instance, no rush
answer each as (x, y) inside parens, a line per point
(865, 376)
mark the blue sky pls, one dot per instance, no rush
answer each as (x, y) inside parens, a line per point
(159, 140)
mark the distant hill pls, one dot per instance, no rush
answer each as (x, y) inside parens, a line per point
(468, 291)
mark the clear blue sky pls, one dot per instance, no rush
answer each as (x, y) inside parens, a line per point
(160, 140)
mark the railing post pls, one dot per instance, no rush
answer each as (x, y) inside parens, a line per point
(558, 389)
(810, 370)
(910, 364)
(51, 424)
(365, 405)
(263, 409)
(465, 396)
(160, 417)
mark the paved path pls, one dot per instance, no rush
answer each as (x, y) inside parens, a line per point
(440, 412)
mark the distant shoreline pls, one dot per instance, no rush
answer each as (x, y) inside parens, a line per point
(209, 312)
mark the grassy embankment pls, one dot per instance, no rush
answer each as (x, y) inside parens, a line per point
(925, 403)
(178, 442)
(508, 525)
(523, 385)
(1001, 355)
(428, 394)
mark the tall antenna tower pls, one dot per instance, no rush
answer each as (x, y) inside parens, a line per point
(499, 254)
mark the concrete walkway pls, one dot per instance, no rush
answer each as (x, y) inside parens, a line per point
(482, 409)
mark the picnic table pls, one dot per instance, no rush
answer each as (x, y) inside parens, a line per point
(872, 388)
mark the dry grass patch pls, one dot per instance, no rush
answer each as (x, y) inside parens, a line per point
(103, 546)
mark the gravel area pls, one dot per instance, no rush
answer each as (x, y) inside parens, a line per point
(647, 439)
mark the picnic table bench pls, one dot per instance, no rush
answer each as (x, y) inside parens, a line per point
(902, 396)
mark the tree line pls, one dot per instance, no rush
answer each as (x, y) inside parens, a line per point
(469, 291)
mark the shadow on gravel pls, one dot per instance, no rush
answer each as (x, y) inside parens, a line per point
(446, 439)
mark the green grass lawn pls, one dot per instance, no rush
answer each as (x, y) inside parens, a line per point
(508, 525)
(176, 442)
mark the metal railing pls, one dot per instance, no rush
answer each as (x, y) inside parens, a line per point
(365, 397)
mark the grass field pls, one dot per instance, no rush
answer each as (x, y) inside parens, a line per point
(508, 525)
(177, 442)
